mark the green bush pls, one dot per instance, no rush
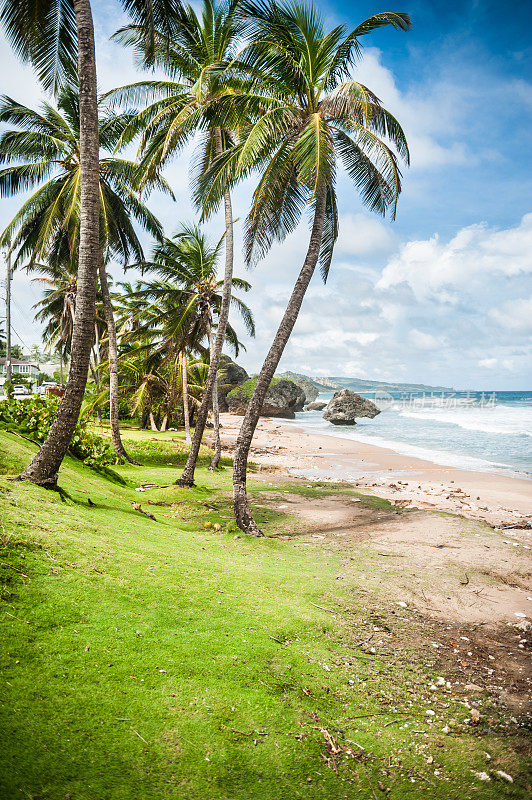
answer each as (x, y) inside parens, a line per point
(247, 388)
(33, 418)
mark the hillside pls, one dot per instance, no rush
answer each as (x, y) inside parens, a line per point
(363, 385)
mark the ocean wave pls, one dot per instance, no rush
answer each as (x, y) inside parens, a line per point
(434, 455)
(515, 420)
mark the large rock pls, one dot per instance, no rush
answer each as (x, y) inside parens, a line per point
(319, 406)
(283, 399)
(309, 389)
(345, 406)
(230, 375)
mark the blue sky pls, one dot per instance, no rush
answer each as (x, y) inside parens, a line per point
(443, 294)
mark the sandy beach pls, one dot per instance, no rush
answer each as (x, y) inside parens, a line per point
(500, 500)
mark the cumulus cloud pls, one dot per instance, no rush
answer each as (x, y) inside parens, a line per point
(431, 266)
(428, 114)
(514, 315)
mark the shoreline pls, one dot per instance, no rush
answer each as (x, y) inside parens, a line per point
(406, 481)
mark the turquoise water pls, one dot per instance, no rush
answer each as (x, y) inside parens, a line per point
(469, 431)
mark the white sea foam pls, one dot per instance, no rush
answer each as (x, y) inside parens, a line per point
(495, 419)
(488, 439)
(435, 456)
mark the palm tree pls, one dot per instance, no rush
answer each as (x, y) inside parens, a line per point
(57, 306)
(199, 58)
(57, 310)
(57, 38)
(45, 147)
(187, 264)
(306, 115)
(151, 383)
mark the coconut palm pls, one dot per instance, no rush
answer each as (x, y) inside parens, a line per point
(56, 310)
(57, 38)
(306, 115)
(45, 148)
(199, 59)
(188, 297)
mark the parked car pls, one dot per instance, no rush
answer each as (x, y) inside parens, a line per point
(20, 390)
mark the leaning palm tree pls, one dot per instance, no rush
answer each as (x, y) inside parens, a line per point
(57, 38)
(44, 145)
(56, 310)
(307, 115)
(189, 298)
(199, 59)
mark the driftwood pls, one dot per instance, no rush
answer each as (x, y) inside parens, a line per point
(138, 507)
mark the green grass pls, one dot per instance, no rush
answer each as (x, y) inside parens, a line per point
(144, 659)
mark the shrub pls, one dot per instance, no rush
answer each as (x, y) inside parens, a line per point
(33, 418)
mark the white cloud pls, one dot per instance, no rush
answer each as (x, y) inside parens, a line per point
(423, 341)
(514, 315)
(430, 266)
(362, 235)
(428, 115)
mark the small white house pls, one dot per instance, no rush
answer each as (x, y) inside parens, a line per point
(24, 369)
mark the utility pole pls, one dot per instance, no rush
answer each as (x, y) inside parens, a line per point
(8, 316)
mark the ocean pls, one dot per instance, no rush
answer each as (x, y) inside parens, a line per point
(483, 431)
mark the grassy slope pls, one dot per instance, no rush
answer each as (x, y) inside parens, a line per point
(145, 659)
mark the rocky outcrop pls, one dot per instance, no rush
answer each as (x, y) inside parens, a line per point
(230, 375)
(319, 406)
(310, 391)
(345, 406)
(283, 399)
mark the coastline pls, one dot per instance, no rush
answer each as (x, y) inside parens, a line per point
(406, 481)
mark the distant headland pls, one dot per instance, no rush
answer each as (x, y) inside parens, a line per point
(361, 384)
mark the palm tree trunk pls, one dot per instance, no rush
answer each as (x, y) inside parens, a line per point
(186, 415)
(95, 369)
(44, 467)
(96, 380)
(244, 517)
(61, 366)
(113, 368)
(153, 424)
(187, 478)
(215, 410)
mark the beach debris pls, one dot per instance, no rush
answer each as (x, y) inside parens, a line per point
(332, 747)
(139, 508)
(504, 776)
(322, 607)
